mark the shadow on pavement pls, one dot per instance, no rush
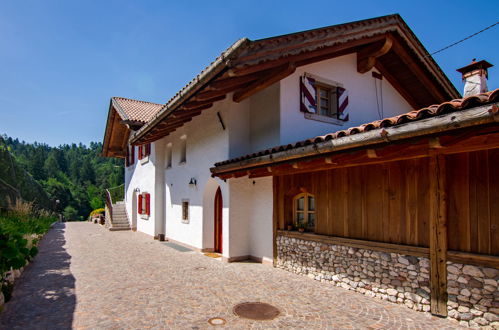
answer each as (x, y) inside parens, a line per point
(44, 295)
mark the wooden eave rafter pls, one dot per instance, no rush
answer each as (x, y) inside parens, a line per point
(398, 87)
(484, 138)
(264, 82)
(430, 84)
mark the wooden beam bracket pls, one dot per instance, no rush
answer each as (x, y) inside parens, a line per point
(366, 57)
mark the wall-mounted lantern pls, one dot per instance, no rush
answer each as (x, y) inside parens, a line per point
(192, 183)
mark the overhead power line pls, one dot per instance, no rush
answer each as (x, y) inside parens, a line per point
(468, 37)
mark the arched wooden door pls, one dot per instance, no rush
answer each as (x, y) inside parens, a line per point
(218, 220)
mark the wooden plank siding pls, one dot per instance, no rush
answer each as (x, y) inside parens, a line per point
(383, 202)
(473, 211)
(390, 202)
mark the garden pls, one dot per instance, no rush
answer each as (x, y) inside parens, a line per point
(21, 228)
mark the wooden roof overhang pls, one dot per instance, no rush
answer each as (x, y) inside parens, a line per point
(464, 131)
(385, 43)
(116, 134)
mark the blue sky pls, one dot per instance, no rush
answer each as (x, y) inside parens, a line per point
(61, 61)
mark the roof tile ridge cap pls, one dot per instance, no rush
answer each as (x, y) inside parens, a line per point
(148, 102)
(348, 25)
(481, 98)
(134, 100)
(119, 109)
(493, 95)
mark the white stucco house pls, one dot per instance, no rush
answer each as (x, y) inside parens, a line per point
(255, 96)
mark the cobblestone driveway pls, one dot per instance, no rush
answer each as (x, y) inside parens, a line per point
(88, 277)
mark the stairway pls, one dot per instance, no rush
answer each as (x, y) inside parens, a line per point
(120, 218)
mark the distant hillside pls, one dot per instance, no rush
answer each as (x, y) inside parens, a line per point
(15, 183)
(75, 175)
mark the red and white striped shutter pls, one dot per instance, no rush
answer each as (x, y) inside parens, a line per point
(139, 205)
(148, 204)
(307, 95)
(342, 104)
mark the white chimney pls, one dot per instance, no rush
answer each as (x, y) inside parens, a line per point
(475, 77)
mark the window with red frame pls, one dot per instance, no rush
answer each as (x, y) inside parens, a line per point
(130, 156)
(144, 204)
(144, 150)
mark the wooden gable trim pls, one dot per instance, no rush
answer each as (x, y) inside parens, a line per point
(116, 135)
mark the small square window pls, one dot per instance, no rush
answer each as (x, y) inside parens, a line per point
(323, 100)
(327, 100)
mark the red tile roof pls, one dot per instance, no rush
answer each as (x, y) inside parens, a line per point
(135, 110)
(415, 115)
(266, 53)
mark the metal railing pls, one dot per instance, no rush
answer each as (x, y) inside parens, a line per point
(114, 194)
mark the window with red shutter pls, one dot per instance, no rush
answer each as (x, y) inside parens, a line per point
(130, 156)
(139, 205)
(140, 152)
(148, 204)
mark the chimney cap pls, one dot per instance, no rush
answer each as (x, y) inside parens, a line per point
(475, 66)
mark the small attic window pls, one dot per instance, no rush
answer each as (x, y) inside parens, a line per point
(323, 100)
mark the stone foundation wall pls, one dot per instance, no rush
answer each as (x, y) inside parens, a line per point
(473, 291)
(473, 294)
(390, 276)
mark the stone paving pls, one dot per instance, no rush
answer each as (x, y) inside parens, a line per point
(86, 277)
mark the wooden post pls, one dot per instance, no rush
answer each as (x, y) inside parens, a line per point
(275, 216)
(438, 236)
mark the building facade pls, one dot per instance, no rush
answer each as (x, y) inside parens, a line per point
(217, 168)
